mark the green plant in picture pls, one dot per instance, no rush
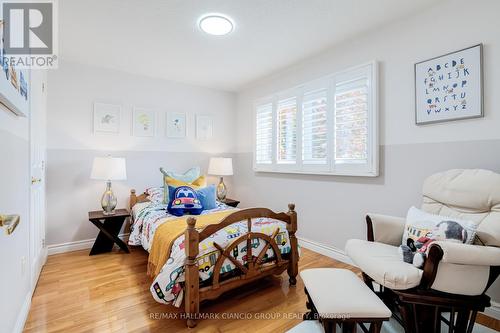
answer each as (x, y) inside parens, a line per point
(144, 120)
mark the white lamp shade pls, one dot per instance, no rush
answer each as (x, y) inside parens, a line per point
(109, 168)
(220, 166)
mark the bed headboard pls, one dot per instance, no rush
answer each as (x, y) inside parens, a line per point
(137, 198)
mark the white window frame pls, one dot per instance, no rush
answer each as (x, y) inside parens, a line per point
(370, 169)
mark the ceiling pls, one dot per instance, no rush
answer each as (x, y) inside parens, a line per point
(160, 38)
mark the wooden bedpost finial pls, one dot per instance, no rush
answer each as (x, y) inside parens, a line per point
(191, 221)
(293, 266)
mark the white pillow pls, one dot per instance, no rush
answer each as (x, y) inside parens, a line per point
(421, 225)
(155, 194)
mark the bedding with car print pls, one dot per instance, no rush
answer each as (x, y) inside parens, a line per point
(167, 286)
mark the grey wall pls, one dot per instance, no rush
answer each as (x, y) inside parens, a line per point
(71, 194)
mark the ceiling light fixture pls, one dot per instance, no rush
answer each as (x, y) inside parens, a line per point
(216, 24)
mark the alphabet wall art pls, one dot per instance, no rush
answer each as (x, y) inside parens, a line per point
(449, 87)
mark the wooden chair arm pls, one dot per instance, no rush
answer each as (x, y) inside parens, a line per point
(431, 266)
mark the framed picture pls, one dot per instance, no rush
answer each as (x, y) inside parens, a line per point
(144, 122)
(176, 125)
(204, 127)
(449, 87)
(106, 118)
(14, 84)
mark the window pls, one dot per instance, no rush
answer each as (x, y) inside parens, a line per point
(328, 126)
(314, 127)
(287, 131)
(264, 137)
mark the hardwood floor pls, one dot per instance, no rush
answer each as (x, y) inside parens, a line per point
(110, 293)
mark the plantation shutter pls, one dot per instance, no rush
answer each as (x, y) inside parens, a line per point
(314, 127)
(328, 126)
(287, 131)
(264, 134)
(351, 121)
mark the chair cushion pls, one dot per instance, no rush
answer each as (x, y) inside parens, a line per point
(383, 264)
(467, 194)
(339, 293)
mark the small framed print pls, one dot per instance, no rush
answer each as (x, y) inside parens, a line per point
(449, 87)
(176, 125)
(144, 122)
(204, 127)
(106, 118)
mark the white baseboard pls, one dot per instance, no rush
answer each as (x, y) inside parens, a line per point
(23, 314)
(493, 311)
(326, 250)
(25, 309)
(77, 245)
(37, 266)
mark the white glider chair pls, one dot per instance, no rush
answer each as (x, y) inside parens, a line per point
(455, 276)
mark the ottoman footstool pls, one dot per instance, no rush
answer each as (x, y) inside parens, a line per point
(338, 296)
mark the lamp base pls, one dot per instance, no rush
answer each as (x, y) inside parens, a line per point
(221, 190)
(108, 200)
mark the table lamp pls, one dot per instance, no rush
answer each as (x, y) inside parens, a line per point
(221, 166)
(108, 169)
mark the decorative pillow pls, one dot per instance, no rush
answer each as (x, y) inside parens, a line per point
(422, 229)
(422, 226)
(197, 183)
(186, 178)
(206, 195)
(184, 200)
(155, 194)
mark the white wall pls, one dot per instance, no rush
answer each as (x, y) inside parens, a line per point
(73, 88)
(331, 209)
(15, 285)
(448, 27)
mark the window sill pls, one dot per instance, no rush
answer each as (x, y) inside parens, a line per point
(321, 173)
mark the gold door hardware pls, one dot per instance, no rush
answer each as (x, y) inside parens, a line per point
(10, 223)
(35, 180)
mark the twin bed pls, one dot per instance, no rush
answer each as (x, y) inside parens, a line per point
(197, 258)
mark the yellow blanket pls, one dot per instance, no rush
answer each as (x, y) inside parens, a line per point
(169, 231)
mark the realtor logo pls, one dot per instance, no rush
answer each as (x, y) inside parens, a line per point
(28, 28)
(29, 33)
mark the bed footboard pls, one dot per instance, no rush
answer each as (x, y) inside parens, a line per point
(253, 270)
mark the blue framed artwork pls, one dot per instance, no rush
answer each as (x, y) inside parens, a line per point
(450, 87)
(14, 83)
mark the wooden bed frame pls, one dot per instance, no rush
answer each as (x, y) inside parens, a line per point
(252, 271)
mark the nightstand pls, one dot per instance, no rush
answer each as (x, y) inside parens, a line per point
(230, 202)
(109, 226)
